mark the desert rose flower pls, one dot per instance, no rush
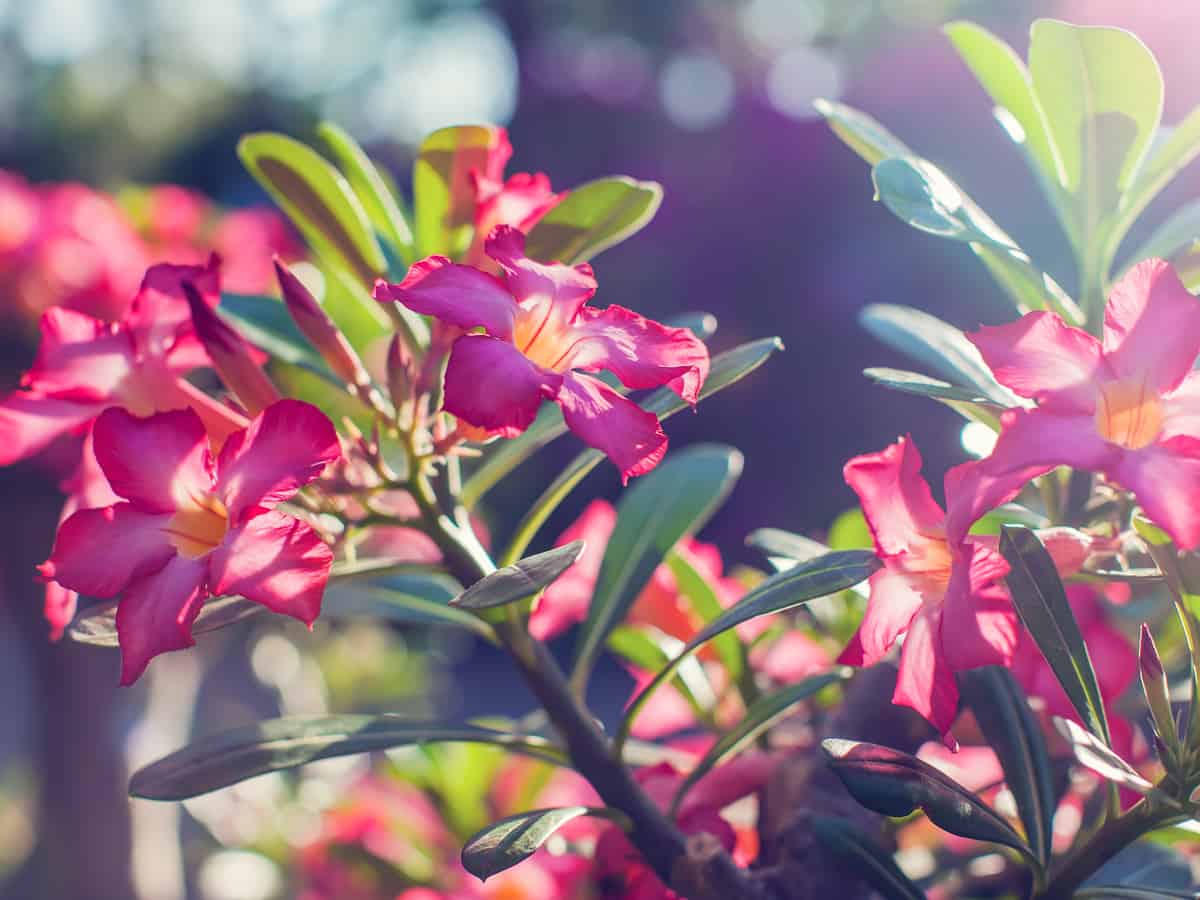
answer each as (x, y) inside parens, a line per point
(946, 598)
(1127, 406)
(190, 526)
(85, 365)
(540, 339)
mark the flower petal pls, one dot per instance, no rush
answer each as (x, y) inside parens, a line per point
(520, 202)
(925, 682)
(896, 500)
(491, 384)
(1152, 326)
(159, 462)
(79, 357)
(979, 625)
(458, 295)
(1032, 442)
(159, 315)
(667, 711)
(99, 551)
(1165, 478)
(565, 602)
(283, 448)
(29, 421)
(790, 657)
(631, 437)
(1043, 357)
(1181, 408)
(641, 352)
(545, 289)
(891, 607)
(274, 560)
(156, 614)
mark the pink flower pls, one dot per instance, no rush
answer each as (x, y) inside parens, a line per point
(946, 598)
(85, 365)
(191, 527)
(540, 339)
(1127, 407)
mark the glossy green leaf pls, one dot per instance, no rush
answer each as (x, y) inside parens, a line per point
(1029, 288)
(503, 844)
(231, 756)
(652, 516)
(780, 544)
(369, 186)
(861, 133)
(785, 590)
(592, 218)
(941, 346)
(317, 199)
(763, 714)
(702, 597)
(923, 385)
(1094, 754)
(1003, 75)
(727, 368)
(867, 859)
(897, 784)
(521, 580)
(1012, 731)
(1041, 602)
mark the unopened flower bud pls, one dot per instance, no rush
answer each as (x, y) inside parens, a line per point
(401, 372)
(1156, 689)
(231, 355)
(314, 323)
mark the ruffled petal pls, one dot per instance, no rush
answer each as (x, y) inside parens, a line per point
(1032, 442)
(1043, 357)
(98, 552)
(553, 290)
(1165, 478)
(631, 437)
(79, 357)
(274, 560)
(156, 614)
(641, 352)
(896, 500)
(457, 295)
(159, 463)
(891, 607)
(159, 316)
(1152, 326)
(284, 447)
(29, 421)
(491, 384)
(520, 202)
(925, 682)
(979, 626)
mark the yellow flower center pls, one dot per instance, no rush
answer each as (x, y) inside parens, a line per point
(1129, 413)
(197, 530)
(929, 563)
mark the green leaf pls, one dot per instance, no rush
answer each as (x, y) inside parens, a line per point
(1094, 754)
(1003, 713)
(440, 179)
(231, 756)
(652, 516)
(1177, 240)
(317, 199)
(861, 133)
(522, 579)
(370, 187)
(1003, 75)
(702, 597)
(924, 386)
(785, 590)
(265, 322)
(592, 218)
(727, 368)
(870, 861)
(762, 715)
(1041, 602)
(505, 843)
(937, 344)
(650, 649)
(897, 784)
(779, 544)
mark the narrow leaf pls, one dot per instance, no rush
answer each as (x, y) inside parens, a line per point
(520, 580)
(699, 593)
(592, 218)
(503, 844)
(652, 516)
(924, 386)
(228, 757)
(861, 133)
(865, 857)
(780, 544)
(1041, 602)
(1003, 713)
(896, 784)
(1094, 754)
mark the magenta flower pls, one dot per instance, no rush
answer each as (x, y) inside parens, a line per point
(540, 338)
(85, 365)
(191, 527)
(945, 598)
(1127, 407)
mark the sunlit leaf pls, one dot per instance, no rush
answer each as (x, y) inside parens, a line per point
(503, 844)
(1101, 759)
(520, 580)
(594, 217)
(441, 179)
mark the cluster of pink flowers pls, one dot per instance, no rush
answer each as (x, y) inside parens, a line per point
(1126, 407)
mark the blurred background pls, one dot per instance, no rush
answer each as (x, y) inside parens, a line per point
(768, 223)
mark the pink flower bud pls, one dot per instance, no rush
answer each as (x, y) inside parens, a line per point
(401, 372)
(1156, 689)
(231, 356)
(315, 324)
